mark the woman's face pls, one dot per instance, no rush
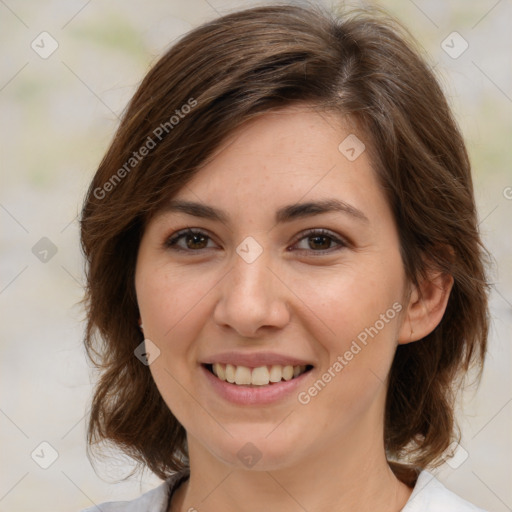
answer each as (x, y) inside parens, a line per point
(292, 261)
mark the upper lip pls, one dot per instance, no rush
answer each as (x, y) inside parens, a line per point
(255, 360)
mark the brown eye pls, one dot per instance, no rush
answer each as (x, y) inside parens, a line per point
(320, 240)
(194, 241)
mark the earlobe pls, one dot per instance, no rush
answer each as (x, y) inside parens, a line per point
(426, 307)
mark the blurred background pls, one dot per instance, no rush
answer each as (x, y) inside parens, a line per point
(67, 70)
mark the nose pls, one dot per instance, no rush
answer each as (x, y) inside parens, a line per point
(252, 298)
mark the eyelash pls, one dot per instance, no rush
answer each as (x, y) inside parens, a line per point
(171, 242)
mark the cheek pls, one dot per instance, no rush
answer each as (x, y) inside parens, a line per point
(354, 299)
(360, 317)
(167, 300)
(360, 346)
(172, 311)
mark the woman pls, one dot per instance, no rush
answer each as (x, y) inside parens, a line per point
(285, 274)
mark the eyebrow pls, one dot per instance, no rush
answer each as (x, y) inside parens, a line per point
(283, 214)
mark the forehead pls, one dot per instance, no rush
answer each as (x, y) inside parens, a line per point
(278, 162)
(291, 147)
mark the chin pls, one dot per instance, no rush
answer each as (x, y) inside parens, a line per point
(258, 452)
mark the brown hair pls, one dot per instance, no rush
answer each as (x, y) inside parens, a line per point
(361, 64)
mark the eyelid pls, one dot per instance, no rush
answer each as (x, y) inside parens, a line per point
(171, 241)
(338, 239)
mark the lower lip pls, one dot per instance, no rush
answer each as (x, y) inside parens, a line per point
(257, 395)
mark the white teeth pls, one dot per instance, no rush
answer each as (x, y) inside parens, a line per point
(260, 376)
(242, 375)
(276, 373)
(230, 373)
(288, 372)
(220, 371)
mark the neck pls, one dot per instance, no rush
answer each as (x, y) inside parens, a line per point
(338, 478)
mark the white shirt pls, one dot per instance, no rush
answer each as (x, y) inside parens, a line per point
(428, 495)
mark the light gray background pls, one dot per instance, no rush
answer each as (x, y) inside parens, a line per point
(57, 117)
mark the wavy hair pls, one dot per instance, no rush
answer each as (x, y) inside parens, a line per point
(359, 64)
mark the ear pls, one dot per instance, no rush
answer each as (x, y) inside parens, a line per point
(426, 307)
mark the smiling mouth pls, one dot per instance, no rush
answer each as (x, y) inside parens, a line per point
(260, 376)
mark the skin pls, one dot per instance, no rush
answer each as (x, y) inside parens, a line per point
(311, 302)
